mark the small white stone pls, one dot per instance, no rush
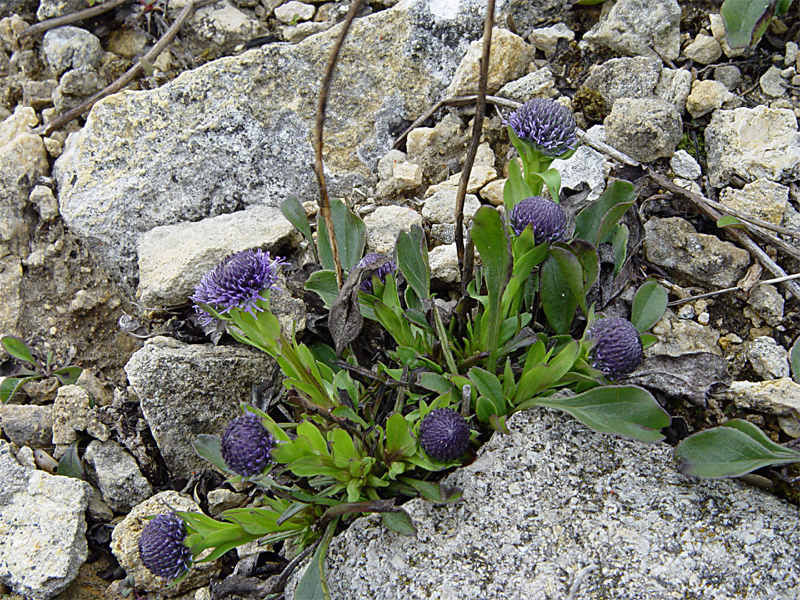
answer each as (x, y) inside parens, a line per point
(684, 165)
(493, 191)
(772, 83)
(420, 139)
(444, 264)
(546, 38)
(294, 11)
(791, 52)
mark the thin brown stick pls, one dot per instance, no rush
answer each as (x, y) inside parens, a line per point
(80, 15)
(754, 220)
(739, 236)
(732, 289)
(129, 75)
(325, 204)
(477, 129)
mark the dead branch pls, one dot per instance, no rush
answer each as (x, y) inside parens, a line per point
(86, 13)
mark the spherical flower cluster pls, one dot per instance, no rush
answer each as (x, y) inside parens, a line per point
(546, 125)
(444, 434)
(246, 446)
(161, 546)
(239, 281)
(381, 272)
(547, 218)
(618, 349)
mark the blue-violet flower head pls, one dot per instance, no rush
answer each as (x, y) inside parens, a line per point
(161, 546)
(546, 125)
(239, 281)
(547, 218)
(444, 434)
(618, 349)
(381, 272)
(247, 445)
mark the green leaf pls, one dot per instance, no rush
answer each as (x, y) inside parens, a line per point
(399, 522)
(597, 220)
(70, 463)
(412, 260)
(571, 272)
(18, 349)
(323, 284)
(488, 385)
(434, 492)
(552, 179)
(399, 441)
(515, 188)
(343, 448)
(558, 301)
(313, 435)
(294, 212)
(736, 448)
(746, 20)
(782, 7)
(351, 236)
(345, 412)
(210, 447)
(620, 244)
(648, 340)
(68, 375)
(730, 221)
(649, 305)
(313, 585)
(794, 359)
(485, 409)
(628, 411)
(10, 386)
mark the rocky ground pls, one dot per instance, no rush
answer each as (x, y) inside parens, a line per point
(104, 234)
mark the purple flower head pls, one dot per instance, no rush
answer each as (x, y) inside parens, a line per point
(444, 434)
(237, 282)
(546, 125)
(547, 218)
(246, 446)
(161, 546)
(381, 272)
(618, 349)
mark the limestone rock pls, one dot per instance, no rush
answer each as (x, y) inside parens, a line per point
(186, 390)
(479, 176)
(554, 507)
(762, 198)
(441, 207)
(752, 143)
(72, 415)
(117, 475)
(772, 83)
(10, 298)
(704, 50)
(776, 397)
(702, 259)
(538, 84)
(546, 38)
(28, 425)
(57, 8)
(385, 223)
(768, 359)
(768, 304)
(639, 28)
(706, 96)
(173, 258)
(677, 337)
(625, 78)
(645, 129)
(44, 200)
(674, 86)
(418, 140)
(684, 165)
(219, 25)
(444, 264)
(586, 166)
(69, 47)
(42, 538)
(508, 60)
(294, 11)
(728, 75)
(237, 132)
(492, 192)
(125, 546)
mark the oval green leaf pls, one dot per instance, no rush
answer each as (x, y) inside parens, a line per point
(649, 305)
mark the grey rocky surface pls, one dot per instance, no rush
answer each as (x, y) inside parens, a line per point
(69, 47)
(236, 133)
(443, 262)
(42, 537)
(27, 425)
(679, 336)
(673, 244)
(117, 475)
(173, 258)
(729, 75)
(547, 39)
(440, 208)
(704, 49)
(218, 26)
(554, 510)
(674, 87)
(768, 304)
(772, 83)
(684, 165)
(706, 96)
(385, 223)
(761, 198)
(644, 128)
(625, 78)
(186, 390)
(587, 166)
(74, 414)
(767, 358)
(778, 397)
(538, 84)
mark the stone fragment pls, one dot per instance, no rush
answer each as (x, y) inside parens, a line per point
(444, 264)
(160, 157)
(767, 358)
(217, 26)
(479, 176)
(538, 84)
(718, 31)
(98, 509)
(640, 28)
(385, 223)
(44, 200)
(484, 157)
(772, 83)
(117, 475)
(221, 500)
(586, 166)
(75, 85)
(684, 165)
(441, 207)
(752, 143)
(297, 33)
(624, 78)
(762, 198)
(492, 192)
(10, 28)
(186, 390)
(125, 546)
(126, 42)
(27, 425)
(419, 140)
(728, 75)
(706, 96)
(69, 47)
(704, 50)
(767, 302)
(42, 537)
(520, 532)
(508, 60)
(546, 39)
(677, 337)
(397, 174)
(673, 244)
(775, 397)
(674, 87)
(10, 294)
(791, 52)
(645, 129)
(38, 94)
(72, 415)
(294, 11)
(173, 258)
(57, 8)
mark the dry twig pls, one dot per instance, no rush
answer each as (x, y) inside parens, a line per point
(80, 15)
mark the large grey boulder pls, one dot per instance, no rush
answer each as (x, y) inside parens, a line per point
(555, 510)
(186, 390)
(237, 132)
(42, 528)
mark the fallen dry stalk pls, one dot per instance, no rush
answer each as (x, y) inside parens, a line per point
(80, 15)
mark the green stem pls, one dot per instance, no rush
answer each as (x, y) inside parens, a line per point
(440, 330)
